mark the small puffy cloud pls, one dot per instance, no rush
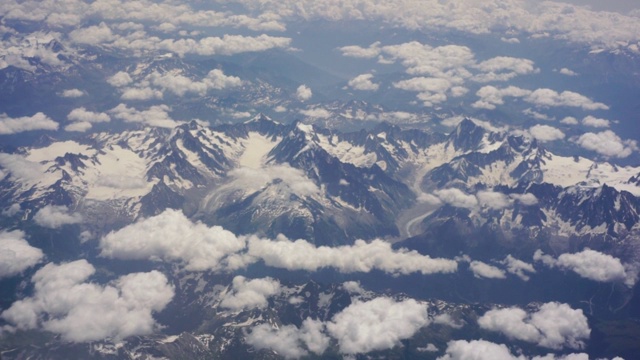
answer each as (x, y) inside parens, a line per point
(446, 319)
(16, 255)
(38, 121)
(303, 93)
(20, 168)
(363, 82)
(546, 133)
(64, 303)
(93, 35)
(140, 93)
(423, 84)
(478, 349)
(458, 91)
(80, 126)
(568, 72)
(518, 267)
(607, 143)
(120, 79)
(83, 115)
(226, 45)
(316, 112)
(595, 122)
(553, 326)
(353, 287)
(180, 85)
(456, 197)
(171, 236)
(527, 199)
(537, 115)
(493, 200)
(360, 257)
(157, 115)
(589, 264)
(483, 270)
(288, 340)
(490, 96)
(72, 93)
(250, 294)
(359, 52)
(11, 210)
(551, 98)
(503, 68)
(378, 324)
(569, 120)
(54, 217)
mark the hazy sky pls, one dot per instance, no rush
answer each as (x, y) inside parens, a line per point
(623, 6)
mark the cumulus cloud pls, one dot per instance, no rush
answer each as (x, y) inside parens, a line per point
(250, 294)
(456, 197)
(54, 217)
(225, 45)
(157, 115)
(518, 267)
(16, 255)
(363, 82)
(551, 98)
(527, 199)
(569, 120)
(316, 112)
(607, 143)
(93, 35)
(290, 341)
(359, 257)
(180, 84)
(359, 52)
(568, 72)
(303, 93)
(38, 121)
(478, 349)
(483, 270)
(377, 324)
(170, 236)
(72, 93)
(82, 119)
(120, 79)
(490, 96)
(546, 133)
(595, 122)
(20, 168)
(493, 200)
(140, 93)
(589, 264)
(65, 303)
(503, 68)
(553, 326)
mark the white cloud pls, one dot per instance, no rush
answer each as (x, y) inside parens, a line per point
(359, 257)
(457, 198)
(16, 255)
(180, 85)
(171, 236)
(65, 303)
(157, 115)
(225, 45)
(527, 199)
(303, 93)
(72, 93)
(363, 82)
(537, 115)
(316, 112)
(93, 35)
(589, 264)
(54, 217)
(288, 340)
(359, 52)
(595, 122)
(250, 294)
(553, 326)
(551, 98)
(490, 96)
(38, 121)
(140, 93)
(423, 84)
(569, 120)
(377, 324)
(446, 319)
(80, 126)
(478, 350)
(11, 210)
(607, 143)
(545, 133)
(483, 270)
(503, 68)
(20, 168)
(518, 267)
(83, 115)
(568, 72)
(493, 200)
(120, 79)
